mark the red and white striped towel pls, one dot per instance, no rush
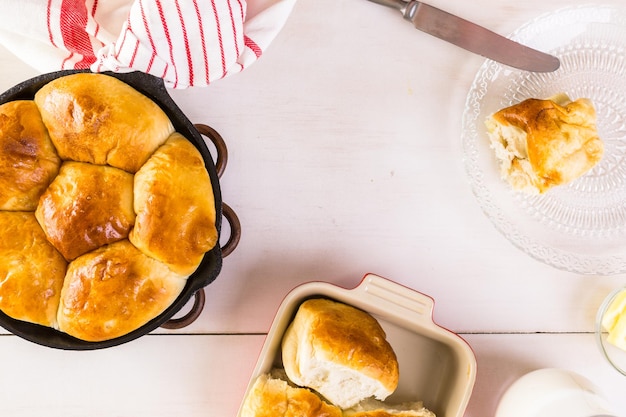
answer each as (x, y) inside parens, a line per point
(185, 42)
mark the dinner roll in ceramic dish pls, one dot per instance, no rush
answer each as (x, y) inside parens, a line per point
(28, 159)
(113, 290)
(374, 408)
(99, 119)
(85, 207)
(339, 351)
(31, 270)
(274, 397)
(175, 206)
(540, 144)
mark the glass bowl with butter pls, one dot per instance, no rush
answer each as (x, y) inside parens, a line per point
(611, 329)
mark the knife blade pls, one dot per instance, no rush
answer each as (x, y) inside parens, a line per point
(472, 37)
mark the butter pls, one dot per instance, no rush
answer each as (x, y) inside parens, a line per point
(614, 320)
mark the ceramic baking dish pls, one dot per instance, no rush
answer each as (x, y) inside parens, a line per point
(436, 366)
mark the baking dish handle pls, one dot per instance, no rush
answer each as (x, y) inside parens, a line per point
(388, 295)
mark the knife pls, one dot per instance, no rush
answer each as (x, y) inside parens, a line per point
(473, 37)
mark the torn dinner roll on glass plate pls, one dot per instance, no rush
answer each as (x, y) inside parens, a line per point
(543, 143)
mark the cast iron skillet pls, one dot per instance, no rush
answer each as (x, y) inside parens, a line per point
(211, 264)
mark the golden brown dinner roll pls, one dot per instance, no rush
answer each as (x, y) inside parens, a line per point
(339, 351)
(31, 270)
(28, 160)
(175, 206)
(114, 290)
(273, 397)
(85, 207)
(544, 143)
(373, 408)
(99, 119)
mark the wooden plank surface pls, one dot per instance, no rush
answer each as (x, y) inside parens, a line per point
(345, 158)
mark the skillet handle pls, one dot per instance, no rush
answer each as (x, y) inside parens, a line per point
(220, 166)
(191, 316)
(199, 296)
(220, 146)
(230, 216)
(235, 230)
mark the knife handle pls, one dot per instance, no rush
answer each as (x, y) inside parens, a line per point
(407, 8)
(394, 4)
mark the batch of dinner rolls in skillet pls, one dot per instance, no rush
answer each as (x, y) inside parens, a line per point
(336, 362)
(105, 210)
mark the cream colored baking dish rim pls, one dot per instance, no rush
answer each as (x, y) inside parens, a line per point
(437, 366)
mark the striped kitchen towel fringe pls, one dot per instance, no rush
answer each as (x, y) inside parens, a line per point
(185, 42)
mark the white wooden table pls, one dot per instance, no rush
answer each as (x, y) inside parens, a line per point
(345, 158)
